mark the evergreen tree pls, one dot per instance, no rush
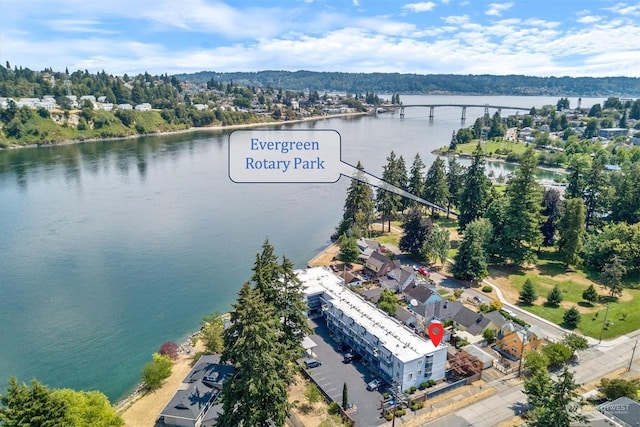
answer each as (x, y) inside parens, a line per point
(436, 189)
(416, 178)
(590, 294)
(389, 203)
(257, 394)
(571, 318)
(359, 208)
(576, 181)
(471, 258)
(417, 230)
(551, 211)
(211, 333)
(611, 276)
(554, 298)
(474, 197)
(33, 405)
(555, 402)
(291, 308)
(528, 293)
(455, 181)
(626, 200)
(521, 235)
(345, 397)
(595, 197)
(571, 231)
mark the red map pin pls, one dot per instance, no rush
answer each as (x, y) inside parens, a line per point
(436, 331)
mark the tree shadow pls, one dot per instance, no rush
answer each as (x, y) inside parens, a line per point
(606, 299)
(585, 304)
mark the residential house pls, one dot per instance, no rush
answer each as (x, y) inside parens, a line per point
(197, 397)
(623, 411)
(421, 295)
(378, 265)
(610, 133)
(125, 106)
(372, 294)
(517, 341)
(367, 248)
(399, 279)
(470, 321)
(145, 106)
(440, 311)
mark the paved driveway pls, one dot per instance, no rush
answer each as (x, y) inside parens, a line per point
(332, 375)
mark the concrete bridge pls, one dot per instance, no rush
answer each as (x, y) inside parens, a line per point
(432, 108)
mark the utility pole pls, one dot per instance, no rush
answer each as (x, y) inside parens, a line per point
(604, 322)
(633, 352)
(395, 402)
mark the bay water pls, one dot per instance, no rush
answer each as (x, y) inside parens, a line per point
(108, 249)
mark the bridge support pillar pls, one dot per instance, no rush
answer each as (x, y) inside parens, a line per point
(431, 112)
(402, 112)
(464, 114)
(499, 112)
(486, 111)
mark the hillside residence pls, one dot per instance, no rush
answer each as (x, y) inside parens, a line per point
(610, 133)
(145, 106)
(392, 351)
(378, 265)
(367, 248)
(517, 341)
(197, 396)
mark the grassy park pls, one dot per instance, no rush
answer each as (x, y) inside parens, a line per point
(623, 315)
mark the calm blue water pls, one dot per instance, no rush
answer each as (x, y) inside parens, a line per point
(109, 249)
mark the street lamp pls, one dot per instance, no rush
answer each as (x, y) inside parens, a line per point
(604, 322)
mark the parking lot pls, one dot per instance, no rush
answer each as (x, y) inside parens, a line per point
(332, 375)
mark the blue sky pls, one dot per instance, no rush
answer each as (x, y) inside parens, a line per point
(531, 37)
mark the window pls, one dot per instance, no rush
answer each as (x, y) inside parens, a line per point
(410, 376)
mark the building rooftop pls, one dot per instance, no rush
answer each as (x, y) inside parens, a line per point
(198, 389)
(400, 340)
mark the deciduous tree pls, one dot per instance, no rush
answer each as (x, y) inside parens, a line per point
(156, 371)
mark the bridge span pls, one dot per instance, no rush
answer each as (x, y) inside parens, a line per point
(432, 108)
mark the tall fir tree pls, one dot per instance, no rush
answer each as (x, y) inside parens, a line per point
(521, 236)
(389, 203)
(257, 393)
(551, 212)
(571, 231)
(359, 209)
(436, 189)
(595, 193)
(455, 181)
(416, 178)
(555, 402)
(471, 259)
(474, 197)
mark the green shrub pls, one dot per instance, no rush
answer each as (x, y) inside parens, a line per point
(487, 288)
(334, 408)
(423, 385)
(389, 416)
(412, 389)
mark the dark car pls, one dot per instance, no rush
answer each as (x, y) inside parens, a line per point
(351, 357)
(312, 363)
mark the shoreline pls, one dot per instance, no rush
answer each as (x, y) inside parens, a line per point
(439, 153)
(188, 130)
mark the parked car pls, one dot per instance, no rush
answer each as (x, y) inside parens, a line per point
(374, 385)
(424, 271)
(351, 357)
(478, 300)
(312, 363)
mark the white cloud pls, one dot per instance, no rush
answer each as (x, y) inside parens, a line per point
(420, 7)
(456, 20)
(624, 9)
(588, 19)
(496, 9)
(77, 26)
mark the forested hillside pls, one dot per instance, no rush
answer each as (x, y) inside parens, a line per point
(431, 83)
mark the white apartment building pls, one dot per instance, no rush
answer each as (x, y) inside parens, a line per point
(392, 351)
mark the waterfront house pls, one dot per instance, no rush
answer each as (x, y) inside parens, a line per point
(378, 265)
(197, 397)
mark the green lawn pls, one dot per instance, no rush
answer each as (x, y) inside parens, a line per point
(623, 316)
(491, 146)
